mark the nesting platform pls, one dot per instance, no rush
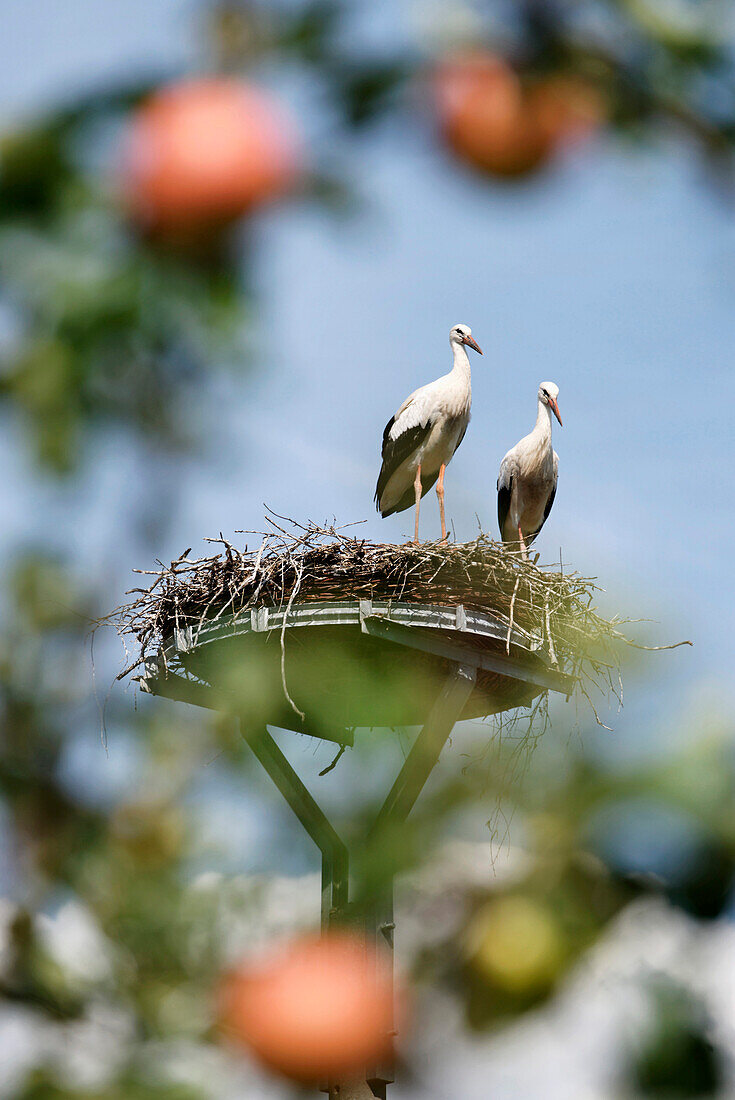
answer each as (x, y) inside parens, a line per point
(347, 663)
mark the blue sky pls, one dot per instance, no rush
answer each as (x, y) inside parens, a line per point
(613, 276)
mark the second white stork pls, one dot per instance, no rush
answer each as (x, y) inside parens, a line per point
(421, 438)
(528, 476)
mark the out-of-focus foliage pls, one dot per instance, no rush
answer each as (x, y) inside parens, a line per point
(519, 940)
(41, 1086)
(107, 326)
(677, 1057)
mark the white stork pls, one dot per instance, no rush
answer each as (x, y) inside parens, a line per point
(421, 438)
(528, 476)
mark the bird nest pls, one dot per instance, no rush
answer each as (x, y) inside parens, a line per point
(312, 563)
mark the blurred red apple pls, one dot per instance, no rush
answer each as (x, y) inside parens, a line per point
(318, 1008)
(486, 118)
(205, 151)
(461, 75)
(496, 123)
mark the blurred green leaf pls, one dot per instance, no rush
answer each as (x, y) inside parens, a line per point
(677, 1058)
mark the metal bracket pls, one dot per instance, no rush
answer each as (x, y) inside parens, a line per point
(427, 747)
(417, 638)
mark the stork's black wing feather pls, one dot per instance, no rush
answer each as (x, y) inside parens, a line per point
(532, 535)
(504, 492)
(386, 434)
(395, 452)
(549, 503)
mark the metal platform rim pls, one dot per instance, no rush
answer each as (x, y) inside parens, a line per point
(354, 612)
(442, 630)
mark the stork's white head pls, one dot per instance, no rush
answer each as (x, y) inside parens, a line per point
(547, 395)
(462, 335)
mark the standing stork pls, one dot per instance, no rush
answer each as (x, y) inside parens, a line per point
(528, 476)
(421, 438)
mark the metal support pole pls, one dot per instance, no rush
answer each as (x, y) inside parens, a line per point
(402, 797)
(427, 747)
(354, 1090)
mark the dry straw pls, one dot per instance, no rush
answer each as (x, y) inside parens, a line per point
(300, 562)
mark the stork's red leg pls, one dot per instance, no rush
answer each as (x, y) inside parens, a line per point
(440, 495)
(417, 490)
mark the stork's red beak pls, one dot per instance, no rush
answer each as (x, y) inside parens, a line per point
(472, 343)
(555, 409)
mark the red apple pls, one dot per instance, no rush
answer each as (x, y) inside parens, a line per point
(461, 75)
(206, 151)
(504, 126)
(317, 1008)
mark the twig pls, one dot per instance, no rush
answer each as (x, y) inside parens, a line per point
(552, 651)
(510, 617)
(330, 767)
(292, 597)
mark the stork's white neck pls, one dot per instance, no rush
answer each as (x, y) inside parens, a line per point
(542, 428)
(461, 361)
